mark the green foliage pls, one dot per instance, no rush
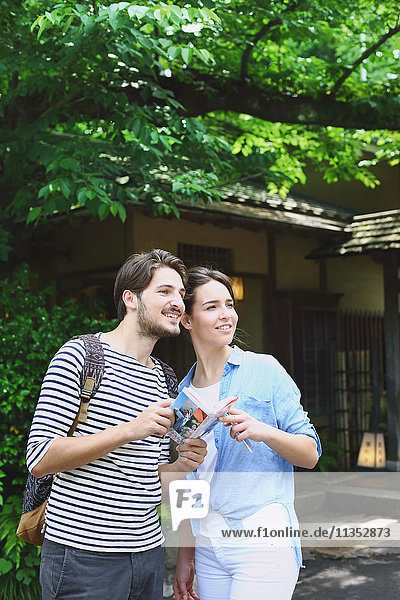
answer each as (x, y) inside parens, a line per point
(19, 566)
(330, 460)
(97, 54)
(32, 329)
(161, 103)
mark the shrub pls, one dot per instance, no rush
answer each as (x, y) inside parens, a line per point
(32, 329)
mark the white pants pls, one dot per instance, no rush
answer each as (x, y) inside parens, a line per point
(257, 572)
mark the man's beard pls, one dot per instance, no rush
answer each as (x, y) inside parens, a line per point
(150, 328)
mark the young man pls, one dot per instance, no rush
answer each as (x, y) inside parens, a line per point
(102, 536)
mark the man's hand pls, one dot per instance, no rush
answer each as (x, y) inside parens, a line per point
(156, 419)
(191, 454)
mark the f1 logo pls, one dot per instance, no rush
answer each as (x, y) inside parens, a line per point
(189, 499)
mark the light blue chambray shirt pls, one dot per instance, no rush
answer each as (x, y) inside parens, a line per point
(269, 394)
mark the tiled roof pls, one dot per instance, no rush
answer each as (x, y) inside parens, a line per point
(366, 233)
(253, 202)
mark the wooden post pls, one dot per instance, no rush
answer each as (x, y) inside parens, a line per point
(270, 328)
(392, 348)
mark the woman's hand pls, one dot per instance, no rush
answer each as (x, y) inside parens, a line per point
(243, 426)
(183, 582)
(297, 448)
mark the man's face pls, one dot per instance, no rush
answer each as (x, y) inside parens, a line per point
(160, 306)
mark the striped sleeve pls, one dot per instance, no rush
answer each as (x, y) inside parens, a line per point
(164, 457)
(58, 402)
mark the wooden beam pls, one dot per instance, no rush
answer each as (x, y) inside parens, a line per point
(270, 342)
(272, 272)
(323, 275)
(392, 347)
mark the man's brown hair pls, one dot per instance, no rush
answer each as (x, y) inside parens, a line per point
(137, 272)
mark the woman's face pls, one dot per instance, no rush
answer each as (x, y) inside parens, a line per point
(214, 318)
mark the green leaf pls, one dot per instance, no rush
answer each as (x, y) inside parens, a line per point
(65, 187)
(174, 52)
(70, 163)
(68, 24)
(43, 192)
(204, 55)
(50, 17)
(137, 11)
(158, 14)
(5, 566)
(34, 214)
(36, 22)
(82, 194)
(177, 186)
(175, 210)
(103, 211)
(176, 15)
(187, 54)
(121, 211)
(121, 5)
(43, 23)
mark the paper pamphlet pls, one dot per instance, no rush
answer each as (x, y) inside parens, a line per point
(193, 418)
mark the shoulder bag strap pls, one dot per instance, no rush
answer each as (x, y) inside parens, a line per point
(170, 378)
(91, 375)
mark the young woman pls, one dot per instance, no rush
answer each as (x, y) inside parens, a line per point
(251, 487)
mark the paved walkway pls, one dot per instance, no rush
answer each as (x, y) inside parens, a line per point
(372, 576)
(358, 571)
(351, 573)
(345, 575)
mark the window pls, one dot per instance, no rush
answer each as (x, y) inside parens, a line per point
(304, 339)
(314, 345)
(219, 258)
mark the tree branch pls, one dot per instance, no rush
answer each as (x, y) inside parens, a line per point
(210, 93)
(206, 93)
(347, 72)
(251, 43)
(258, 36)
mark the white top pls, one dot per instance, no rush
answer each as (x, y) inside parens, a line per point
(273, 515)
(209, 395)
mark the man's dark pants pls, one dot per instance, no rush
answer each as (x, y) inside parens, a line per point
(71, 574)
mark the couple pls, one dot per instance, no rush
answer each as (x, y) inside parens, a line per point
(102, 536)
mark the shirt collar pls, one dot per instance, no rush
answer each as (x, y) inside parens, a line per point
(235, 358)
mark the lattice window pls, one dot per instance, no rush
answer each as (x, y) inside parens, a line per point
(314, 345)
(211, 256)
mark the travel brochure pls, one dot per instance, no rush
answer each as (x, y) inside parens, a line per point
(193, 418)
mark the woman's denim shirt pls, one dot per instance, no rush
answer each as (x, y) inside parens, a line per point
(267, 393)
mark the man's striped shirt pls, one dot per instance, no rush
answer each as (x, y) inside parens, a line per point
(111, 503)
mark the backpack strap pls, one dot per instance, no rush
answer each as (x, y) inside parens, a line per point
(170, 378)
(91, 375)
(38, 489)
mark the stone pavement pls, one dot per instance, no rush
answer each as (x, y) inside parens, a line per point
(363, 575)
(339, 574)
(368, 569)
